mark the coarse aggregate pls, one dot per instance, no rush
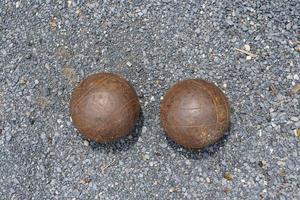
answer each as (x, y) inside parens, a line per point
(250, 49)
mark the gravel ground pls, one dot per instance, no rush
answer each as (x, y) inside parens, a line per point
(47, 48)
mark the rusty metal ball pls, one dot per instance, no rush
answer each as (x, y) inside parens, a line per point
(195, 113)
(104, 107)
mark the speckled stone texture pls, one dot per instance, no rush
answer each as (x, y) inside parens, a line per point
(250, 49)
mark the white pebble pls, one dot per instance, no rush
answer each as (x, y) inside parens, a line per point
(18, 4)
(86, 143)
(208, 179)
(152, 98)
(129, 64)
(273, 124)
(70, 3)
(144, 129)
(247, 47)
(289, 77)
(296, 77)
(146, 157)
(248, 58)
(295, 119)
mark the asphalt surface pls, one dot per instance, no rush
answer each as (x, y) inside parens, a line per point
(47, 48)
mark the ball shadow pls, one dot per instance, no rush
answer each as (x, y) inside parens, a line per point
(123, 144)
(197, 154)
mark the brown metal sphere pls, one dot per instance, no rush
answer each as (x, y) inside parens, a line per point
(195, 113)
(104, 107)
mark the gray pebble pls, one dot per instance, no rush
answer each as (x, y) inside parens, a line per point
(295, 119)
(45, 91)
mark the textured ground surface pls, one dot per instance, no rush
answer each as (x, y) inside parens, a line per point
(45, 49)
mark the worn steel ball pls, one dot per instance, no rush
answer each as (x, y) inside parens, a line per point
(104, 107)
(195, 113)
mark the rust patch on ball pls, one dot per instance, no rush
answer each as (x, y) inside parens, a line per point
(104, 107)
(195, 113)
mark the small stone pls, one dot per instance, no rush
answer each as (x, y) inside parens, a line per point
(247, 47)
(296, 88)
(295, 119)
(86, 143)
(289, 26)
(85, 181)
(70, 3)
(43, 136)
(198, 30)
(297, 132)
(282, 173)
(262, 163)
(273, 90)
(23, 82)
(228, 176)
(296, 77)
(227, 190)
(229, 21)
(92, 5)
(144, 11)
(273, 124)
(8, 137)
(163, 145)
(173, 189)
(44, 91)
(290, 77)
(31, 121)
(50, 140)
(36, 82)
(129, 64)
(144, 129)
(18, 3)
(145, 157)
(152, 98)
(53, 23)
(157, 154)
(248, 57)
(208, 180)
(47, 66)
(280, 163)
